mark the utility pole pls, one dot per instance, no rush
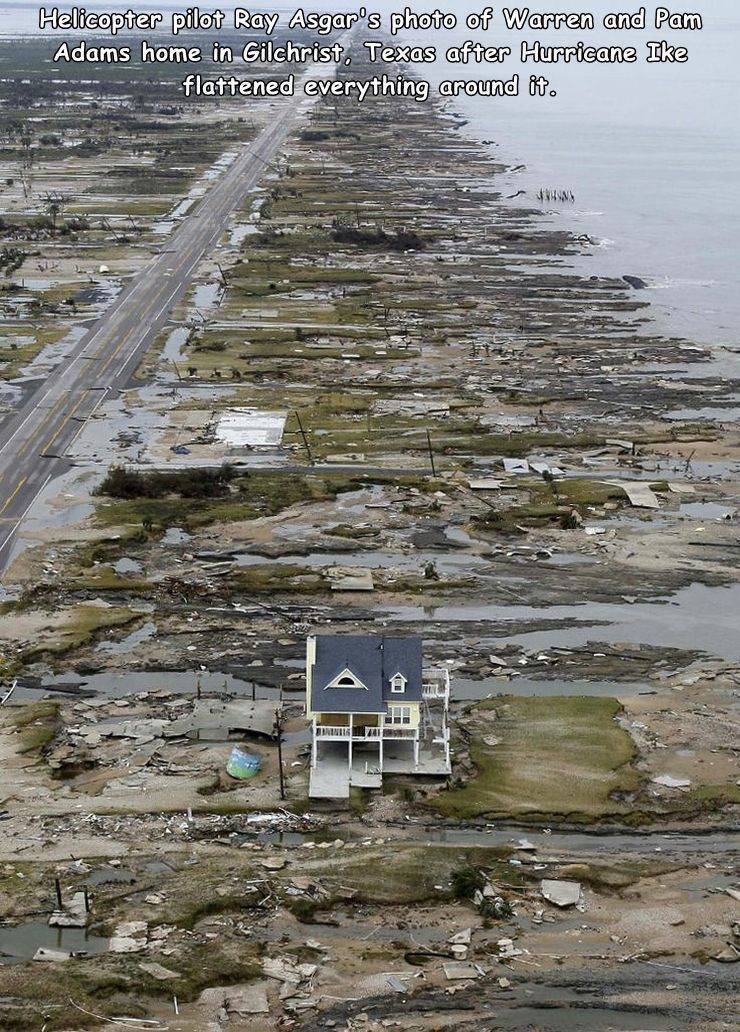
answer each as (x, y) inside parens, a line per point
(279, 732)
(431, 454)
(305, 438)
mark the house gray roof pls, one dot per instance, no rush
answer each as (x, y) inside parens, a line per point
(373, 660)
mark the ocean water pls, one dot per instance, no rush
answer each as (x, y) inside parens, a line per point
(651, 153)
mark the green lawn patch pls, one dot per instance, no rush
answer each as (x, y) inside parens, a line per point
(555, 757)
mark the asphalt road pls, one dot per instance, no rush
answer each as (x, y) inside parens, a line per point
(34, 440)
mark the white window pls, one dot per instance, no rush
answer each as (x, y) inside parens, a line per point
(398, 684)
(399, 715)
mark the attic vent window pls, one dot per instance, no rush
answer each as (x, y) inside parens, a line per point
(347, 680)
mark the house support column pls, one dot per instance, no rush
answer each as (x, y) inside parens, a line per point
(380, 748)
(314, 744)
(416, 750)
(351, 733)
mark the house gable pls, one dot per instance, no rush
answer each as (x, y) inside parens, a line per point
(346, 680)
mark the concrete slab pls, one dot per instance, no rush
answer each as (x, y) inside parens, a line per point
(366, 771)
(251, 428)
(329, 779)
(398, 758)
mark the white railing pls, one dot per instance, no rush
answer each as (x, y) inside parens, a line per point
(331, 731)
(363, 734)
(436, 684)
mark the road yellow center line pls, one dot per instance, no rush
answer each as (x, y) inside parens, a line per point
(64, 422)
(11, 496)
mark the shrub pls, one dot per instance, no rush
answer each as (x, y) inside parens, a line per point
(466, 881)
(121, 482)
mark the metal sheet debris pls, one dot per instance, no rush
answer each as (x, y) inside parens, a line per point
(485, 484)
(73, 914)
(50, 956)
(218, 721)
(458, 970)
(668, 781)
(351, 580)
(641, 495)
(561, 893)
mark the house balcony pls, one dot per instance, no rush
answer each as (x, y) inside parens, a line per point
(339, 732)
(436, 685)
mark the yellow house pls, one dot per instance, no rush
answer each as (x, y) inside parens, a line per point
(368, 700)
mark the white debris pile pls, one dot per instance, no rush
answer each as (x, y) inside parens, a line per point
(130, 937)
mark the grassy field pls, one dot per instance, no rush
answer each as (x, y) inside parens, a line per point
(548, 756)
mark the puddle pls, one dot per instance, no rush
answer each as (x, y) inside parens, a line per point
(111, 876)
(220, 165)
(19, 944)
(52, 354)
(176, 341)
(47, 513)
(372, 560)
(721, 414)
(240, 233)
(297, 738)
(207, 295)
(121, 685)
(176, 536)
(182, 208)
(708, 510)
(464, 689)
(573, 843)
(163, 228)
(100, 294)
(129, 643)
(696, 617)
